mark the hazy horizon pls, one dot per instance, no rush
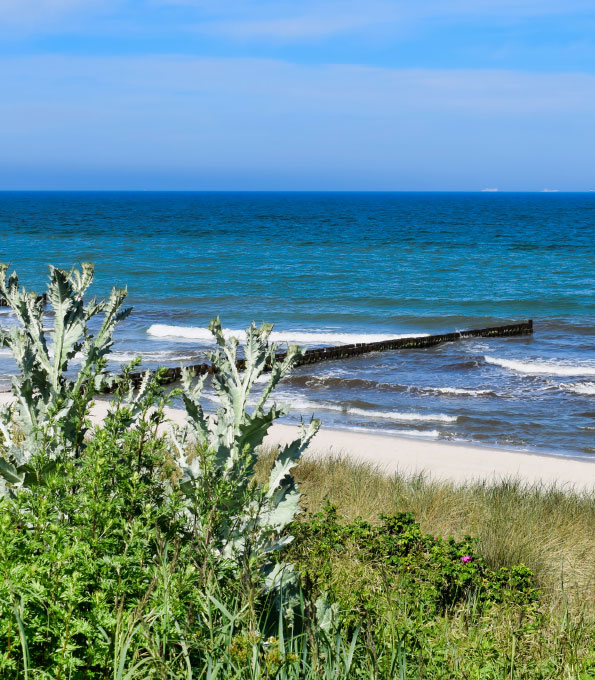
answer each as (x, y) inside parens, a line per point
(304, 191)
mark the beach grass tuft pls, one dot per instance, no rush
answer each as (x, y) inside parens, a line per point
(548, 528)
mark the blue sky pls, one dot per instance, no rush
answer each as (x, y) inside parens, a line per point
(338, 95)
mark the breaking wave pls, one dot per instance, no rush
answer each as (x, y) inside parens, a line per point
(428, 434)
(163, 358)
(586, 388)
(154, 357)
(298, 404)
(159, 330)
(331, 381)
(457, 391)
(541, 367)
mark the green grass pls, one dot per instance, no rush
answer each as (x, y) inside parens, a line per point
(549, 529)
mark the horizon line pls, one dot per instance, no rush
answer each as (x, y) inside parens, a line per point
(309, 191)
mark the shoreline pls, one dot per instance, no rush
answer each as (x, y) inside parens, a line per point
(455, 462)
(446, 461)
(463, 443)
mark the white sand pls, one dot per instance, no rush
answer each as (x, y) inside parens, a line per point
(439, 460)
(447, 460)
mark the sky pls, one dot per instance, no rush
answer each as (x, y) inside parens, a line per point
(371, 95)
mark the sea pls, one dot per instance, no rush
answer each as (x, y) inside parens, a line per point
(335, 268)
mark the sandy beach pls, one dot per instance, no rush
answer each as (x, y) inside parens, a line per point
(456, 462)
(447, 460)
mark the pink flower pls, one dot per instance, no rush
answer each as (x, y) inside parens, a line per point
(465, 559)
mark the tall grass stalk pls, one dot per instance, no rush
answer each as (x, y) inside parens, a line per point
(548, 528)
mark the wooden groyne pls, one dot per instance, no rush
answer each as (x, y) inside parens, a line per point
(314, 356)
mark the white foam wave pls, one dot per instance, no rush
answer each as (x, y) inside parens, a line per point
(304, 404)
(403, 417)
(298, 405)
(458, 391)
(301, 337)
(122, 357)
(431, 434)
(541, 367)
(586, 388)
(152, 356)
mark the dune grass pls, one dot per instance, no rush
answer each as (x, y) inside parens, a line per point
(549, 529)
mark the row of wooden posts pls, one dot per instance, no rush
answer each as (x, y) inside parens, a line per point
(313, 356)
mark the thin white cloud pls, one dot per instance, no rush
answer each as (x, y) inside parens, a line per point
(359, 88)
(290, 28)
(278, 20)
(292, 21)
(282, 21)
(47, 16)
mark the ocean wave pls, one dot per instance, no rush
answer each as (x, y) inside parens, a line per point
(456, 391)
(158, 330)
(402, 417)
(428, 434)
(541, 367)
(123, 357)
(298, 404)
(586, 388)
(305, 404)
(330, 381)
(154, 357)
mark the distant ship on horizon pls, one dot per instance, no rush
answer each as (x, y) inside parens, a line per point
(491, 190)
(550, 191)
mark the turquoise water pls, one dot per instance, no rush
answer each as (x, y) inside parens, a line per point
(328, 268)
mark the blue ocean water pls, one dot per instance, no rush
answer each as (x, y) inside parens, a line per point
(328, 268)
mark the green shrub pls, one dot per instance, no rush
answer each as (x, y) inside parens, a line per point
(240, 521)
(439, 572)
(51, 407)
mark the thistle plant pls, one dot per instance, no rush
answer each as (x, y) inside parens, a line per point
(240, 521)
(51, 407)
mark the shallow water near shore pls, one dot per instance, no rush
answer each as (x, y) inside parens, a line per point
(332, 268)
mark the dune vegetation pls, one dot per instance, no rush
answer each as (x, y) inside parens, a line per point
(137, 549)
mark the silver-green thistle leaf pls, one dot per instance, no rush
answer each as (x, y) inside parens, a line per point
(252, 517)
(48, 404)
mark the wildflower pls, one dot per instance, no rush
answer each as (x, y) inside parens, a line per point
(465, 559)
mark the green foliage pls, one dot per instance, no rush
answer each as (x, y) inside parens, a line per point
(51, 407)
(439, 572)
